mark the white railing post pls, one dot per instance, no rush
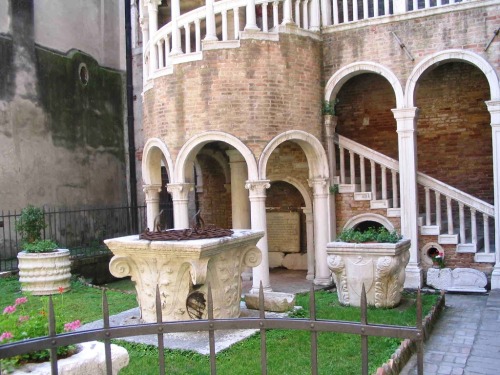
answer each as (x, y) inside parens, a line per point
(326, 12)
(373, 177)
(287, 12)
(297, 13)
(383, 171)
(161, 56)
(352, 167)
(427, 206)
(449, 213)
(375, 9)
(342, 165)
(187, 33)
(473, 226)
(224, 25)
(395, 196)
(236, 21)
(486, 229)
(362, 173)
(153, 28)
(345, 11)
(315, 16)
(251, 16)
(265, 21)
(400, 6)
(355, 10)
(366, 13)
(386, 7)
(335, 13)
(176, 35)
(166, 40)
(438, 210)
(210, 21)
(275, 14)
(197, 31)
(461, 215)
(305, 12)
(427, 4)
(415, 5)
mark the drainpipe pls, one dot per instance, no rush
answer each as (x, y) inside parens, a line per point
(130, 118)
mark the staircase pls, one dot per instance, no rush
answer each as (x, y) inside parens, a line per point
(452, 216)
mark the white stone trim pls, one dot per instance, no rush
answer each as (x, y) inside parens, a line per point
(312, 147)
(352, 222)
(303, 190)
(194, 144)
(459, 55)
(154, 151)
(342, 75)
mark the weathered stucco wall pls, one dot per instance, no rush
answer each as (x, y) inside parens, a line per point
(4, 17)
(61, 141)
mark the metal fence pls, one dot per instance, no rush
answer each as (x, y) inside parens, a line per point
(313, 325)
(80, 230)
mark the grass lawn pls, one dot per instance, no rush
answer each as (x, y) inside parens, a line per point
(288, 351)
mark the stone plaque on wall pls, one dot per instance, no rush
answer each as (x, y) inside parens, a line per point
(283, 231)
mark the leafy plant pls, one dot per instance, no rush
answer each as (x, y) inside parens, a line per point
(334, 189)
(30, 225)
(328, 108)
(27, 318)
(372, 234)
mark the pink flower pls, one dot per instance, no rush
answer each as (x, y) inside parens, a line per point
(23, 318)
(6, 336)
(9, 309)
(68, 327)
(21, 300)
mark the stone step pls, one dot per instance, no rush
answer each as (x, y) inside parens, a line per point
(394, 212)
(448, 239)
(348, 188)
(430, 230)
(366, 196)
(380, 203)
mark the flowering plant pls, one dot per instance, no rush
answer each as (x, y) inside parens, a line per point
(438, 260)
(27, 318)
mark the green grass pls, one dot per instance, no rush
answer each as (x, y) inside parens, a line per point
(288, 352)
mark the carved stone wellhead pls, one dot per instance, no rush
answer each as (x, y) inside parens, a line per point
(182, 269)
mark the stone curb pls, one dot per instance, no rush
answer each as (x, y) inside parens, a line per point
(408, 347)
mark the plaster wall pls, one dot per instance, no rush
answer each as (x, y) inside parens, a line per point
(4, 17)
(93, 26)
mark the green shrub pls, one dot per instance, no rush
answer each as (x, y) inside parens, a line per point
(30, 224)
(370, 235)
(41, 246)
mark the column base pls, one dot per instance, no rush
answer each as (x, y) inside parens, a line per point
(414, 277)
(323, 281)
(495, 278)
(310, 276)
(256, 290)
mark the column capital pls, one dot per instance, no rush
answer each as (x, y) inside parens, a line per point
(152, 3)
(180, 191)
(152, 192)
(405, 113)
(319, 186)
(257, 189)
(494, 109)
(406, 119)
(330, 122)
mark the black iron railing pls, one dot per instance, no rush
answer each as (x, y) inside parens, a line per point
(80, 230)
(313, 325)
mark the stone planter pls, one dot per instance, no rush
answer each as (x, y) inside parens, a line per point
(44, 273)
(89, 359)
(379, 266)
(183, 269)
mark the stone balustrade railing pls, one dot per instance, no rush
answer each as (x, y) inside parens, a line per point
(181, 40)
(440, 214)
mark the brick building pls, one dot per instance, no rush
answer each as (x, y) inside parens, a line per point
(233, 93)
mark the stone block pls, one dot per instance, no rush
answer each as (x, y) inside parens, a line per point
(273, 301)
(295, 261)
(457, 280)
(276, 259)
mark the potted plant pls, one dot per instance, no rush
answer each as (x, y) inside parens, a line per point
(43, 268)
(375, 258)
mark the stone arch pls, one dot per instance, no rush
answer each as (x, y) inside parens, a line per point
(458, 55)
(155, 150)
(344, 74)
(303, 190)
(315, 153)
(194, 144)
(382, 220)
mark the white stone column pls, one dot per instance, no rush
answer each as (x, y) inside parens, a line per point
(251, 17)
(406, 119)
(180, 199)
(320, 211)
(310, 242)
(400, 6)
(287, 12)
(143, 20)
(152, 193)
(240, 204)
(315, 16)
(494, 109)
(330, 126)
(175, 12)
(257, 196)
(133, 23)
(153, 28)
(210, 21)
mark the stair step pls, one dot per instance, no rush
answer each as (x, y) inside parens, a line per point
(348, 188)
(381, 203)
(467, 248)
(448, 239)
(366, 196)
(484, 257)
(430, 230)
(394, 212)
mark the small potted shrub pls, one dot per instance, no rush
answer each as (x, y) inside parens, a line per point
(43, 268)
(375, 258)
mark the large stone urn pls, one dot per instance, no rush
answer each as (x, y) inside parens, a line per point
(44, 273)
(379, 266)
(183, 270)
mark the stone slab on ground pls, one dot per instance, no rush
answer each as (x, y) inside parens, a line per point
(457, 280)
(273, 301)
(193, 341)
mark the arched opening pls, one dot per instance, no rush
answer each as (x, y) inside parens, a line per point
(365, 225)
